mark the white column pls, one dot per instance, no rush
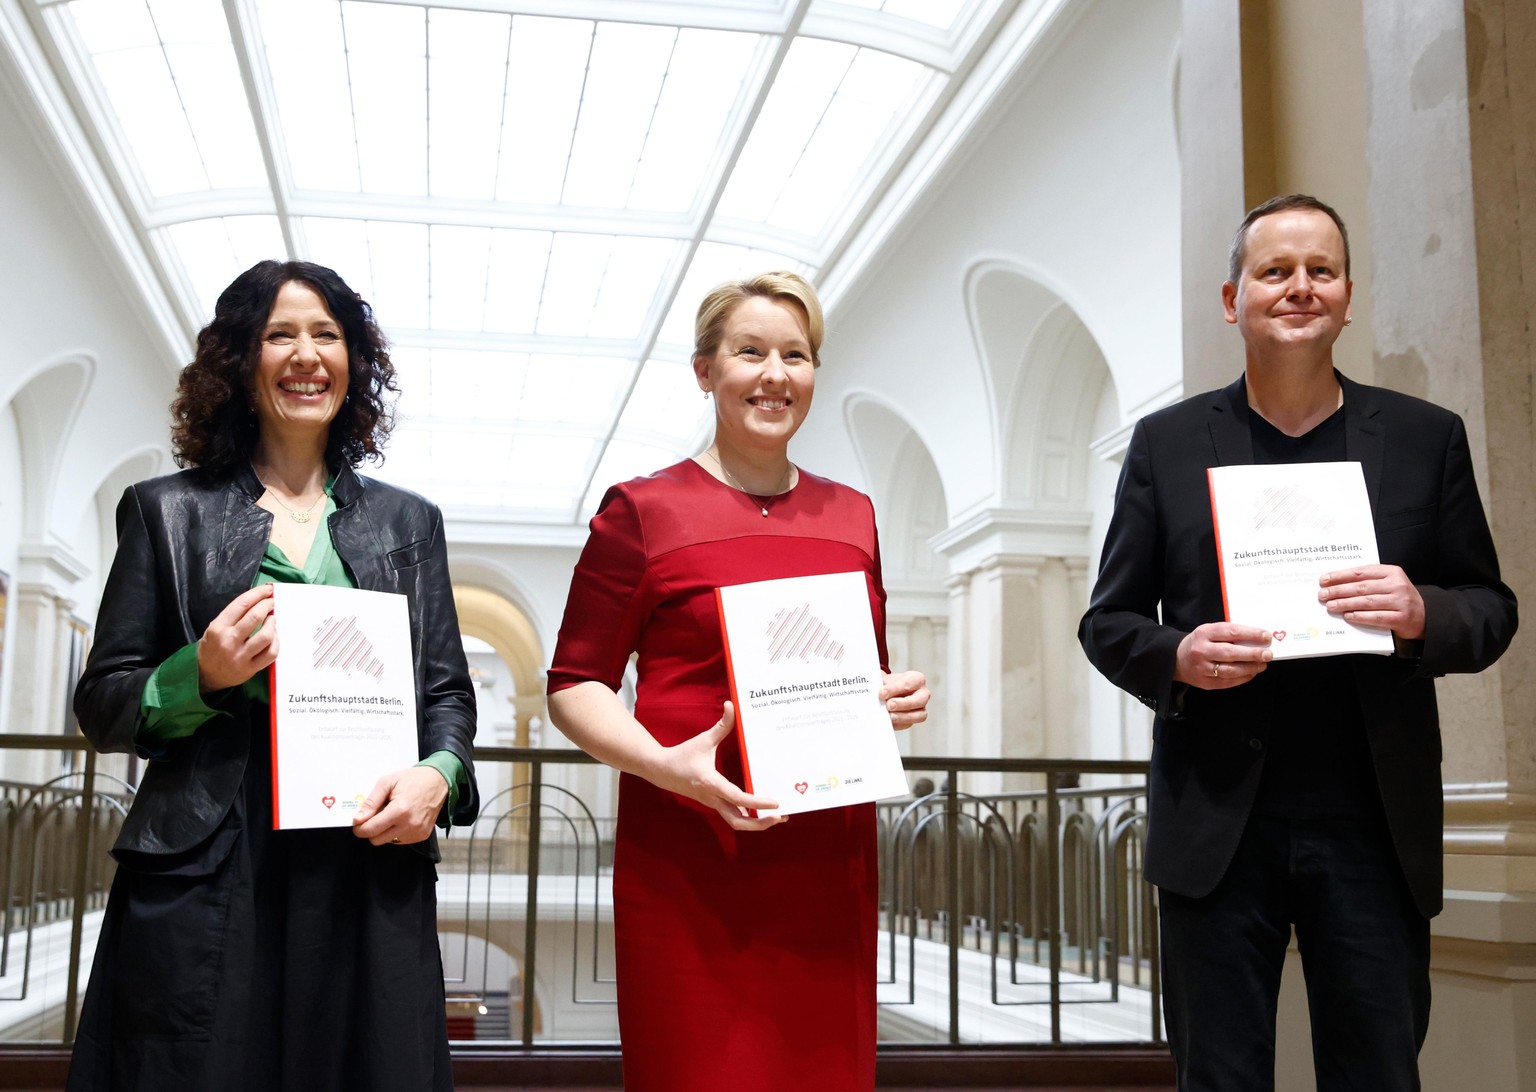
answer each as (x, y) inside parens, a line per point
(1011, 647)
(41, 689)
(957, 715)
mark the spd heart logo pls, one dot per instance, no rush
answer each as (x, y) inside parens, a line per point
(1279, 634)
(801, 786)
(328, 801)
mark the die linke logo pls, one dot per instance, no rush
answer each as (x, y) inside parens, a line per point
(1311, 633)
(341, 645)
(346, 805)
(796, 632)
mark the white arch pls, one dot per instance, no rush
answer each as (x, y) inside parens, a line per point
(1035, 274)
(1004, 303)
(877, 427)
(1045, 370)
(144, 462)
(905, 483)
(47, 402)
(478, 570)
(1051, 412)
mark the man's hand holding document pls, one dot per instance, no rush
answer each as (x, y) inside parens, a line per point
(805, 679)
(1279, 528)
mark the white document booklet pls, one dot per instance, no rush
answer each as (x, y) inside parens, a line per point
(1279, 528)
(805, 680)
(343, 701)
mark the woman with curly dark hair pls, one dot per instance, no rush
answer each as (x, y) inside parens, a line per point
(232, 955)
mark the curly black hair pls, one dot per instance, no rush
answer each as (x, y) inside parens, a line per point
(213, 422)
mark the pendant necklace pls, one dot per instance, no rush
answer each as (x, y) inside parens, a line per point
(761, 502)
(301, 515)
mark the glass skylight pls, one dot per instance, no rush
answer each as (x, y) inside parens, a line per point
(534, 204)
(214, 252)
(935, 13)
(713, 264)
(169, 71)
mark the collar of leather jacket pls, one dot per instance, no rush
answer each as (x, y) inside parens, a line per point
(346, 488)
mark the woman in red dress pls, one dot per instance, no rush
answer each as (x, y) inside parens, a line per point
(745, 945)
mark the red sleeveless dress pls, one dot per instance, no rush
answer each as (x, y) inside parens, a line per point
(745, 961)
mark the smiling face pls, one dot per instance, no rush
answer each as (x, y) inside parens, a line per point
(1292, 293)
(300, 380)
(762, 375)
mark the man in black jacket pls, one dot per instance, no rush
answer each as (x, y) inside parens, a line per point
(1304, 792)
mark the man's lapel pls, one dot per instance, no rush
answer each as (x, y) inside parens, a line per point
(1365, 435)
(1229, 424)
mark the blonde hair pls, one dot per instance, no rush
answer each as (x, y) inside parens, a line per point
(785, 287)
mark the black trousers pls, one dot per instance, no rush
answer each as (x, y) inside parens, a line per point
(1364, 950)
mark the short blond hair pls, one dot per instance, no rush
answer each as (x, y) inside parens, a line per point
(786, 287)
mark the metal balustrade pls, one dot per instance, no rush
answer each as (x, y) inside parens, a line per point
(1012, 915)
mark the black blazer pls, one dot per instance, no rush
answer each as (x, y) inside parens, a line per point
(188, 543)
(1159, 561)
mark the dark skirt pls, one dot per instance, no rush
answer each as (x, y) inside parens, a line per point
(267, 960)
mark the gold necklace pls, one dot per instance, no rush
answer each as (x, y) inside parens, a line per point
(301, 515)
(760, 501)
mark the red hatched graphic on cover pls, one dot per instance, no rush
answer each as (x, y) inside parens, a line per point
(795, 631)
(340, 644)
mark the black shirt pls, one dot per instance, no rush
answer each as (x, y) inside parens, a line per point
(1318, 761)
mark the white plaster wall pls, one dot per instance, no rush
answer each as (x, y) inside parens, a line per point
(94, 547)
(1076, 183)
(10, 538)
(11, 485)
(60, 300)
(93, 385)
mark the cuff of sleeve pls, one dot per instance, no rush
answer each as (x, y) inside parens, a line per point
(172, 706)
(447, 763)
(1168, 699)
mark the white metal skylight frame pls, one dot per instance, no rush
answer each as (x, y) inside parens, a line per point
(695, 245)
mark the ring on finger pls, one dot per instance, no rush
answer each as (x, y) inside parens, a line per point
(1215, 670)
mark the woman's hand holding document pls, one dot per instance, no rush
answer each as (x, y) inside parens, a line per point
(343, 701)
(805, 678)
(1289, 535)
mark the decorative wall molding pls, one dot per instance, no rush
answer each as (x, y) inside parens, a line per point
(49, 564)
(1490, 841)
(994, 533)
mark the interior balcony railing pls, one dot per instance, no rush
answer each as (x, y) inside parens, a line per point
(1012, 904)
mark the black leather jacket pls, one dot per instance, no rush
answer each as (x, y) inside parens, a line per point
(188, 543)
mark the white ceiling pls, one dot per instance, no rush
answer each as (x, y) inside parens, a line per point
(534, 196)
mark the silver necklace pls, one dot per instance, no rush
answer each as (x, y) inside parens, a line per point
(760, 501)
(301, 515)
